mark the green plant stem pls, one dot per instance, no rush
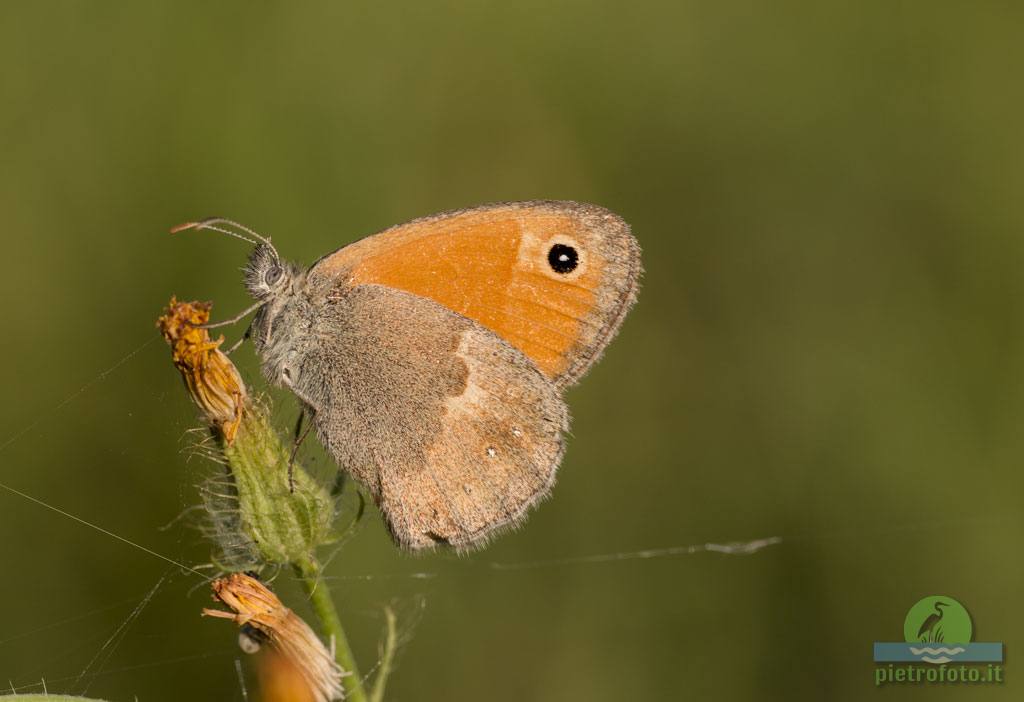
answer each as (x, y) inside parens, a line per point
(387, 656)
(319, 593)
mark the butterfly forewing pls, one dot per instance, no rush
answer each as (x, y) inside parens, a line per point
(554, 279)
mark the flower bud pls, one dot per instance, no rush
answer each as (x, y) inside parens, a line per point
(253, 514)
(254, 605)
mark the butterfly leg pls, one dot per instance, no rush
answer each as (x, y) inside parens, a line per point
(299, 438)
(300, 433)
(234, 346)
(237, 318)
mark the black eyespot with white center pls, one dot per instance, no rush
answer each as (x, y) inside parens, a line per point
(563, 258)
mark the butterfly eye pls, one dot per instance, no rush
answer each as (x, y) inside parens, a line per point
(272, 275)
(563, 258)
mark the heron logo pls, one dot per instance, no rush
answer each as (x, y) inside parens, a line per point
(937, 619)
(938, 631)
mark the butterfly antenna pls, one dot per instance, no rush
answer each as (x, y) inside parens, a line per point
(213, 224)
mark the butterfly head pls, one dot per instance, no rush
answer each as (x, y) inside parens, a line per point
(266, 275)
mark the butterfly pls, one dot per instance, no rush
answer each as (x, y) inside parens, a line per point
(432, 356)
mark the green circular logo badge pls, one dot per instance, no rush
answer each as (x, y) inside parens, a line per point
(937, 619)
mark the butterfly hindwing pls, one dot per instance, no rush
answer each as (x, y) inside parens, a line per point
(452, 429)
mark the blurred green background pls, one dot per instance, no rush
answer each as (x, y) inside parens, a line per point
(828, 347)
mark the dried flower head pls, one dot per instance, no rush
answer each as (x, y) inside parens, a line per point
(253, 605)
(211, 378)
